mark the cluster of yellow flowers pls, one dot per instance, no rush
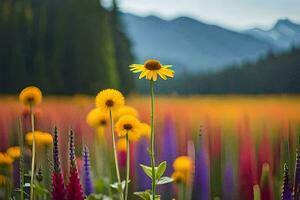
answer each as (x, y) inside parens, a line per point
(41, 138)
(111, 100)
(10, 155)
(183, 169)
(5, 159)
(14, 152)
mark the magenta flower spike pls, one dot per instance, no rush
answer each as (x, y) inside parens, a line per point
(74, 188)
(58, 187)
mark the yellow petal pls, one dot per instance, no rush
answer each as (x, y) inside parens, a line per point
(154, 76)
(143, 74)
(136, 65)
(149, 75)
(167, 72)
(162, 75)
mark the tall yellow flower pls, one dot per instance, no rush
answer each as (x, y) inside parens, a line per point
(121, 144)
(30, 96)
(5, 159)
(145, 130)
(109, 99)
(14, 152)
(128, 124)
(179, 177)
(41, 138)
(127, 110)
(183, 169)
(151, 69)
(96, 118)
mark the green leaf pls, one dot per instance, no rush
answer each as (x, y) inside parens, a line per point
(157, 197)
(118, 186)
(164, 180)
(147, 170)
(160, 170)
(115, 185)
(98, 197)
(40, 190)
(146, 195)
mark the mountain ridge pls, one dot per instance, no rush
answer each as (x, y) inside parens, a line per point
(192, 45)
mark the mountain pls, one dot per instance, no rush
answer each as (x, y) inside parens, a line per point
(278, 73)
(283, 34)
(191, 45)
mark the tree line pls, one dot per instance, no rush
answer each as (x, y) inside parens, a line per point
(272, 74)
(63, 47)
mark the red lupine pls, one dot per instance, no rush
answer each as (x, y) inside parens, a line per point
(58, 187)
(74, 188)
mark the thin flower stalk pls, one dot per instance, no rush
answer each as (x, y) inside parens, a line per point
(297, 177)
(152, 144)
(21, 165)
(33, 153)
(115, 154)
(127, 165)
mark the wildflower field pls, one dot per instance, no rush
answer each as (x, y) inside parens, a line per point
(225, 147)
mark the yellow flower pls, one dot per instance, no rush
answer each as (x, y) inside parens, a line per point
(151, 68)
(5, 159)
(3, 180)
(109, 99)
(145, 130)
(41, 138)
(178, 177)
(97, 118)
(127, 110)
(185, 166)
(121, 144)
(30, 96)
(14, 152)
(128, 124)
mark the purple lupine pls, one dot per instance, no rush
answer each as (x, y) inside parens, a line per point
(16, 173)
(58, 187)
(201, 187)
(142, 157)
(169, 154)
(297, 177)
(228, 181)
(87, 178)
(286, 187)
(169, 151)
(74, 188)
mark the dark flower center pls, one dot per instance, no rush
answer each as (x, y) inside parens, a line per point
(127, 126)
(109, 103)
(30, 99)
(152, 65)
(103, 122)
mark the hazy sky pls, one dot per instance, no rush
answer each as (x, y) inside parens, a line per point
(237, 14)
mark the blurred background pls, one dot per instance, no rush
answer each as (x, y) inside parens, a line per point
(69, 47)
(235, 97)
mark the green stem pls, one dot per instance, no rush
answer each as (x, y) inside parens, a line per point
(127, 165)
(21, 141)
(181, 195)
(152, 147)
(115, 153)
(33, 154)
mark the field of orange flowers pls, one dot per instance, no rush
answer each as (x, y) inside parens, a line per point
(238, 144)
